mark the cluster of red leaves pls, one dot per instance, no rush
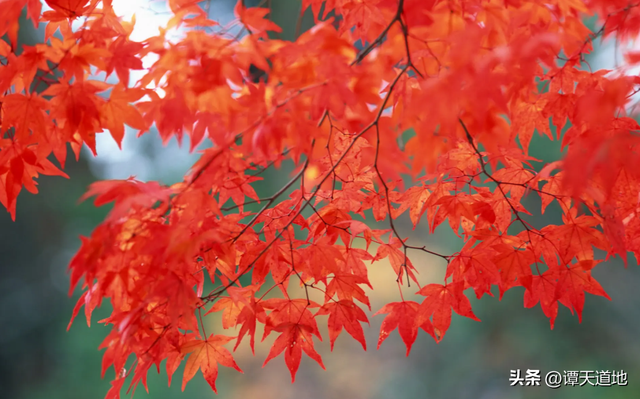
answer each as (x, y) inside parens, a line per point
(446, 93)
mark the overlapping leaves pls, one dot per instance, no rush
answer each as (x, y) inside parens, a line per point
(445, 95)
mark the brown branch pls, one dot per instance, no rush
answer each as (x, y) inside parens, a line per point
(381, 36)
(214, 295)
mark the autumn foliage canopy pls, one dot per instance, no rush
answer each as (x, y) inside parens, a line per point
(387, 109)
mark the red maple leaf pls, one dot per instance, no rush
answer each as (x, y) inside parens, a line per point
(205, 356)
(439, 301)
(403, 316)
(344, 313)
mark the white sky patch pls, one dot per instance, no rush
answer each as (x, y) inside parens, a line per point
(149, 17)
(140, 157)
(611, 56)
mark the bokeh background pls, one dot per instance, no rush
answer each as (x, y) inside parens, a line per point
(39, 359)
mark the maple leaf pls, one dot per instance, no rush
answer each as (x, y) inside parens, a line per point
(117, 112)
(126, 194)
(124, 59)
(206, 355)
(573, 281)
(453, 208)
(10, 11)
(347, 287)
(25, 113)
(476, 268)
(68, 8)
(78, 106)
(528, 116)
(116, 387)
(294, 339)
(297, 326)
(254, 18)
(576, 238)
(399, 262)
(514, 263)
(344, 313)
(440, 299)
(232, 306)
(403, 316)
(414, 199)
(18, 166)
(321, 260)
(614, 231)
(248, 317)
(542, 289)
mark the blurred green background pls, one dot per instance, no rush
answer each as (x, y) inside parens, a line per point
(39, 359)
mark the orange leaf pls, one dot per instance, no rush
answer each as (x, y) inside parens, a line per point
(205, 355)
